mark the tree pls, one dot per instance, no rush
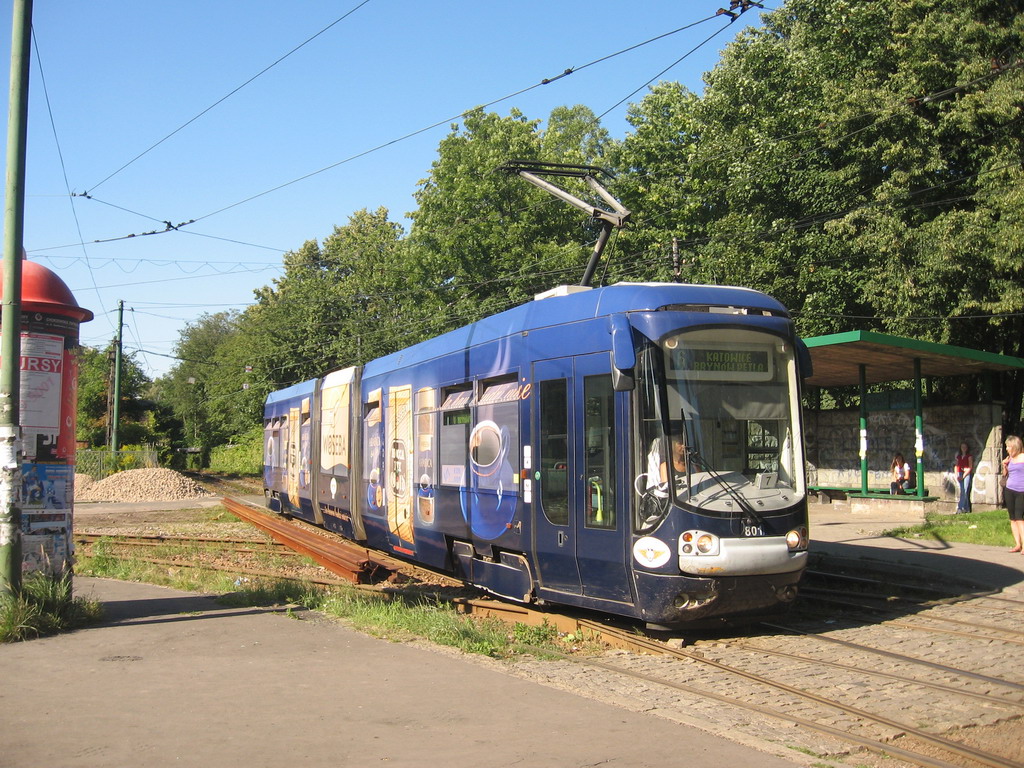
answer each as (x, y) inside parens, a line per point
(194, 387)
(859, 161)
(95, 369)
(482, 240)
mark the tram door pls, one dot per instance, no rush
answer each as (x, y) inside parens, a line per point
(580, 535)
(554, 495)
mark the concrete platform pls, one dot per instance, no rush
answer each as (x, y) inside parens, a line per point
(839, 530)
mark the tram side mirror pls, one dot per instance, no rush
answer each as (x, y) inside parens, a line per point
(804, 359)
(623, 354)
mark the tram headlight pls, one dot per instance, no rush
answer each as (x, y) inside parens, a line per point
(698, 543)
(796, 539)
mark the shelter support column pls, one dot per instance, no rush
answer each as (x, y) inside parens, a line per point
(919, 427)
(863, 428)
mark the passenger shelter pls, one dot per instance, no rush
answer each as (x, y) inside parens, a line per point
(840, 443)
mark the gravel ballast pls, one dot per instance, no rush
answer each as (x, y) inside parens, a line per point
(139, 485)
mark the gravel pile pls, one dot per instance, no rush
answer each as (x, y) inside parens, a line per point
(82, 484)
(141, 485)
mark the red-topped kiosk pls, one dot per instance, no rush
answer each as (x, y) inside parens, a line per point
(50, 318)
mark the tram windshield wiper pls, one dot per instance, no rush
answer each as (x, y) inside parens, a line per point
(750, 516)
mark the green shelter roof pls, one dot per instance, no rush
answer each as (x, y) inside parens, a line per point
(837, 358)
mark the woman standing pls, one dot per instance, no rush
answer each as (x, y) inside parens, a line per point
(964, 476)
(1013, 493)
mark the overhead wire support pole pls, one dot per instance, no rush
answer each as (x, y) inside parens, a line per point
(615, 218)
(10, 311)
(115, 408)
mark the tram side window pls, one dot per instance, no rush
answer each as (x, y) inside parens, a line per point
(372, 447)
(599, 428)
(554, 451)
(453, 444)
(272, 446)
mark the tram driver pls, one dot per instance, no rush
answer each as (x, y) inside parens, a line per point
(657, 467)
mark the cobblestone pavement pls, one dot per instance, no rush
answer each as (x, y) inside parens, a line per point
(978, 664)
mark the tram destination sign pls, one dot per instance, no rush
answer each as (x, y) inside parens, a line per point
(723, 363)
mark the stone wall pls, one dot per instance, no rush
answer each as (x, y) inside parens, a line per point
(833, 442)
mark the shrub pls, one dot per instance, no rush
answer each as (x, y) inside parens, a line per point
(244, 456)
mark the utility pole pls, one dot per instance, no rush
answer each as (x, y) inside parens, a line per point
(10, 311)
(115, 416)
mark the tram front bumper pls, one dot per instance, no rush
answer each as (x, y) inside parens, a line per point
(681, 600)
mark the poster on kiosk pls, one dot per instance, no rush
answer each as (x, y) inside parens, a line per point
(50, 318)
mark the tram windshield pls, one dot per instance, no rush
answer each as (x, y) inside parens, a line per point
(719, 422)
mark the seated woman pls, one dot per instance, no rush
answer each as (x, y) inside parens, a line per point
(901, 476)
(657, 468)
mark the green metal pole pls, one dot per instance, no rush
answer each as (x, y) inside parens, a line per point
(919, 427)
(863, 428)
(115, 417)
(10, 310)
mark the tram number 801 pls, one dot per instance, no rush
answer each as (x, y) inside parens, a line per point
(753, 530)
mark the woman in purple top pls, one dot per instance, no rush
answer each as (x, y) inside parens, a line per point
(1013, 493)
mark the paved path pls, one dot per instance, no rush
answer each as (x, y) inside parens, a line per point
(173, 679)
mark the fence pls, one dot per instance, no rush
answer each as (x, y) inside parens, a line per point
(99, 464)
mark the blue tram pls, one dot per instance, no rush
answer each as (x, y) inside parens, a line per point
(634, 449)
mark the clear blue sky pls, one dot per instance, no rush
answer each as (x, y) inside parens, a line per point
(120, 75)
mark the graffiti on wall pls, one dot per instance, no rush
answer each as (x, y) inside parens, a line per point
(833, 447)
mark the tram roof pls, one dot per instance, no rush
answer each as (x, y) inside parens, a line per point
(837, 359)
(575, 305)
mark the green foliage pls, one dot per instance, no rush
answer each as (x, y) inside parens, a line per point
(544, 634)
(44, 607)
(94, 375)
(243, 456)
(858, 161)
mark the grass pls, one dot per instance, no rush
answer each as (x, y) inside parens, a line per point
(390, 616)
(45, 606)
(990, 527)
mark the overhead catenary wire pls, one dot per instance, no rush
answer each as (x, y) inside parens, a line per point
(170, 227)
(227, 96)
(813, 223)
(63, 166)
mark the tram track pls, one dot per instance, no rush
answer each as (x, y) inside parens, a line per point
(249, 546)
(874, 744)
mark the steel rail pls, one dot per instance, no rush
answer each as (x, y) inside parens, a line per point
(356, 564)
(232, 545)
(871, 609)
(873, 745)
(952, 594)
(621, 639)
(986, 697)
(243, 571)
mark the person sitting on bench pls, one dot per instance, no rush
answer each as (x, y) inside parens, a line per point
(902, 476)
